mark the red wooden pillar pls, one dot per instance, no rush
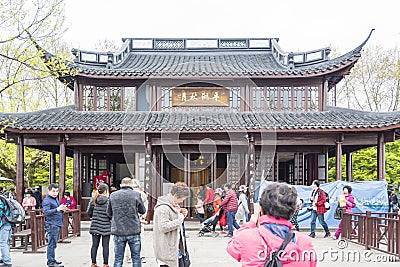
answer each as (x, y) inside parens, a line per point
(381, 157)
(77, 181)
(20, 169)
(339, 143)
(62, 169)
(349, 167)
(52, 170)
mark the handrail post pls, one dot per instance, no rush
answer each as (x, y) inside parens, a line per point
(34, 236)
(368, 226)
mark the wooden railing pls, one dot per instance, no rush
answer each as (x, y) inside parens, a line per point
(374, 230)
(71, 227)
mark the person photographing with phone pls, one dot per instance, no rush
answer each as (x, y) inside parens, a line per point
(168, 229)
(269, 230)
(53, 212)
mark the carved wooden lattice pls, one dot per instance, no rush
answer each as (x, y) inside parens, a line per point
(299, 99)
(88, 97)
(233, 168)
(272, 98)
(130, 98)
(258, 99)
(233, 43)
(169, 44)
(312, 98)
(115, 98)
(286, 98)
(102, 94)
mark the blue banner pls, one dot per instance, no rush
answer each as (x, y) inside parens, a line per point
(369, 196)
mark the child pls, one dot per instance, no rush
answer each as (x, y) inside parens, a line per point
(293, 220)
(200, 209)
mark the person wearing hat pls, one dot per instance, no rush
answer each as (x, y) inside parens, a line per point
(242, 214)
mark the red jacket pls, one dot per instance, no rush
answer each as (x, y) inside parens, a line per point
(209, 196)
(248, 247)
(320, 201)
(230, 202)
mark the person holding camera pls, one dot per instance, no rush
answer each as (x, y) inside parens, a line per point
(318, 199)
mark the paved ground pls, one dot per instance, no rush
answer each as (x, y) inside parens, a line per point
(204, 251)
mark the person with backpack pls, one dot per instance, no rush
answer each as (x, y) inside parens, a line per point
(5, 233)
(53, 212)
(258, 241)
(318, 209)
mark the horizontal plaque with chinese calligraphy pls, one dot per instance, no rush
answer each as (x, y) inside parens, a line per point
(200, 97)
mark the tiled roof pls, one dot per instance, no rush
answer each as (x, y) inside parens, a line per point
(217, 62)
(211, 64)
(69, 119)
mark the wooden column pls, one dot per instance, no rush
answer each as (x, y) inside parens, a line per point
(339, 142)
(251, 167)
(349, 167)
(77, 181)
(381, 157)
(62, 168)
(20, 169)
(149, 181)
(52, 170)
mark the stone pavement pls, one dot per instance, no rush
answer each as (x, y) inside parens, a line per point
(204, 251)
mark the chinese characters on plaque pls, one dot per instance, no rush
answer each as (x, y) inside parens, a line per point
(200, 97)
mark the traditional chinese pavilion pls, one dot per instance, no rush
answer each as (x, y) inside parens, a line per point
(202, 111)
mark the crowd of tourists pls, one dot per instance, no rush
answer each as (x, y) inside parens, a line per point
(122, 214)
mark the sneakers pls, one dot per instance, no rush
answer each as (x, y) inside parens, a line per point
(312, 235)
(334, 237)
(327, 235)
(143, 259)
(94, 265)
(54, 265)
(5, 264)
(228, 235)
(215, 234)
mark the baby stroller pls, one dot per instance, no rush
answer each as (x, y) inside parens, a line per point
(207, 226)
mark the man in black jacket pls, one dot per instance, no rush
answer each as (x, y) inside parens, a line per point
(123, 207)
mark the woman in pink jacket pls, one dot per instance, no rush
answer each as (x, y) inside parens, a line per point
(346, 201)
(252, 244)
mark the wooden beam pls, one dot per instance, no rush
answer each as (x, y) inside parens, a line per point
(381, 157)
(339, 143)
(20, 169)
(62, 168)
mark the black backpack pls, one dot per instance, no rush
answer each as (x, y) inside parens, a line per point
(274, 260)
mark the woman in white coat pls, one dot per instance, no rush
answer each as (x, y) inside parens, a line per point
(242, 214)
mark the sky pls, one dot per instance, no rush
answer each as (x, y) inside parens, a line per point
(300, 25)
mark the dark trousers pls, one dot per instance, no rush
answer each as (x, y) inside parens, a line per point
(105, 243)
(53, 232)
